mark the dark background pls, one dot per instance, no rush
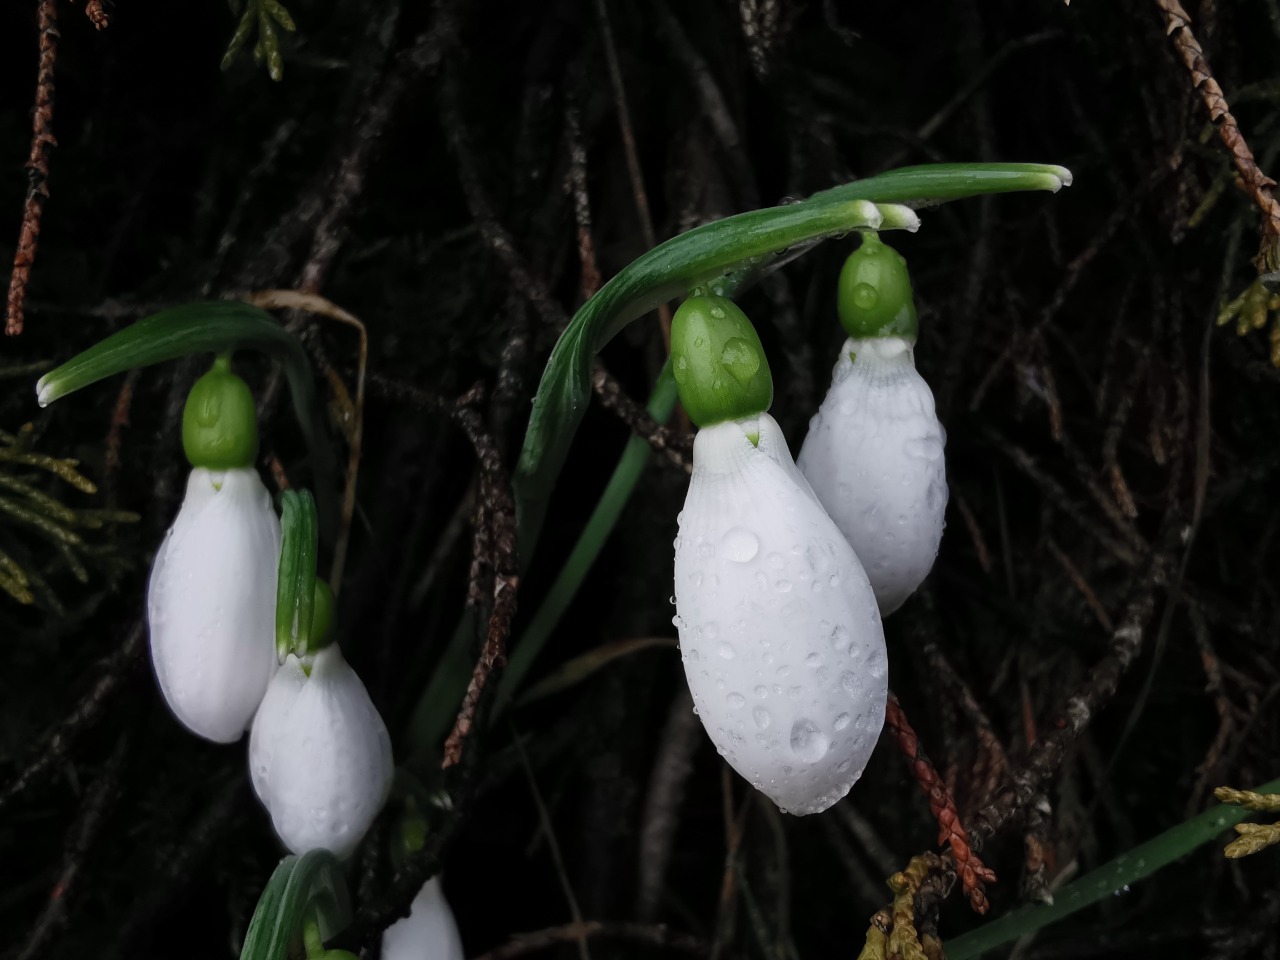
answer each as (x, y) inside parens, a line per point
(1069, 339)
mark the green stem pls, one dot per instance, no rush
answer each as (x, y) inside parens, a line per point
(1127, 869)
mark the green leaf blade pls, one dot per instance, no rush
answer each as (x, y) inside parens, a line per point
(301, 888)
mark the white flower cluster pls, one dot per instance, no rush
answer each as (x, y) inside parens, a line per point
(783, 573)
(319, 753)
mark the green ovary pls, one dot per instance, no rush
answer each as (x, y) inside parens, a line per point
(718, 363)
(874, 297)
(220, 421)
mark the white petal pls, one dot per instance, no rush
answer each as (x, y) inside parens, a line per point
(779, 631)
(272, 716)
(320, 756)
(211, 603)
(874, 456)
(428, 933)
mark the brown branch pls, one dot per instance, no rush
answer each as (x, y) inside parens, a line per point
(494, 547)
(656, 935)
(93, 811)
(37, 167)
(1046, 756)
(111, 672)
(1258, 185)
(972, 871)
(675, 445)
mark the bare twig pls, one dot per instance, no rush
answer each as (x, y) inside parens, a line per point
(973, 873)
(675, 445)
(37, 167)
(1047, 755)
(93, 811)
(544, 819)
(1178, 26)
(111, 672)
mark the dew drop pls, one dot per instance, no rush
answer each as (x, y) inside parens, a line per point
(813, 659)
(740, 360)
(865, 296)
(735, 700)
(925, 448)
(840, 638)
(850, 682)
(681, 369)
(717, 312)
(761, 716)
(726, 651)
(841, 722)
(740, 545)
(808, 742)
(761, 691)
(784, 586)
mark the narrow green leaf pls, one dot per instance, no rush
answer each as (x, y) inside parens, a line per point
(279, 14)
(1111, 878)
(930, 184)
(301, 888)
(736, 245)
(213, 326)
(296, 586)
(239, 38)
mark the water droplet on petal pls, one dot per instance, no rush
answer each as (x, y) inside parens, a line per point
(726, 651)
(808, 742)
(735, 700)
(761, 716)
(841, 722)
(740, 545)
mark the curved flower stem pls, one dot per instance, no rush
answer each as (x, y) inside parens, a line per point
(727, 252)
(213, 326)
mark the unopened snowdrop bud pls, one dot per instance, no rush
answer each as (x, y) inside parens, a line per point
(212, 593)
(319, 754)
(428, 933)
(874, 452)
(779, 630)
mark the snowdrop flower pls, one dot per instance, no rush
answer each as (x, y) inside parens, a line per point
(779, 630)
(428, 933)
(874, 452)
(212, 593)
(319, 754)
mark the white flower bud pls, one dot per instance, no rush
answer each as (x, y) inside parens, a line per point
(428, 933)
(211, 603)
(779, 631)
(319, 755)
(874, 458)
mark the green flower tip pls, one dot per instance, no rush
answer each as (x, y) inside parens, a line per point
(220, 421)
(719, 365)
(874, 295)
(323, 618)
